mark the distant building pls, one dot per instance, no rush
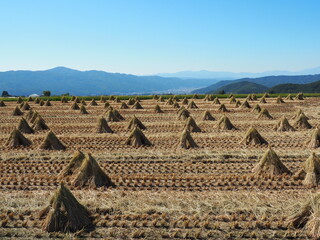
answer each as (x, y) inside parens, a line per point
(34, 95)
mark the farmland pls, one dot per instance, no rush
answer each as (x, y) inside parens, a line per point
(162, 190)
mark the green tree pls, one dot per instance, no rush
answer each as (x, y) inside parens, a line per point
(5, 94)
(46, 93)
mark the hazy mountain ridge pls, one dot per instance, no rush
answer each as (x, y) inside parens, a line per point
(61, 80)
(225, 75)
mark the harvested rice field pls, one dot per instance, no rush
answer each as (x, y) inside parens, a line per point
(186, 169)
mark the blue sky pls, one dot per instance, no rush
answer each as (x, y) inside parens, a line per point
(153, 36)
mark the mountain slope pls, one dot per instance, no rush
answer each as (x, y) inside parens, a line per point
(241, 87)
(268, 81)
(295, 88)
(215, 86)
(62, 80)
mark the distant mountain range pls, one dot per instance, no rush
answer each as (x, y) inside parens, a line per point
(264, 82)
(220, 75)
(62, 80)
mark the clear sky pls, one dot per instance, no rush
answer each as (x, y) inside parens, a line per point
(153, 36)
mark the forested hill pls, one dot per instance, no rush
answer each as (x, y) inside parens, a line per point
(269, 81)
